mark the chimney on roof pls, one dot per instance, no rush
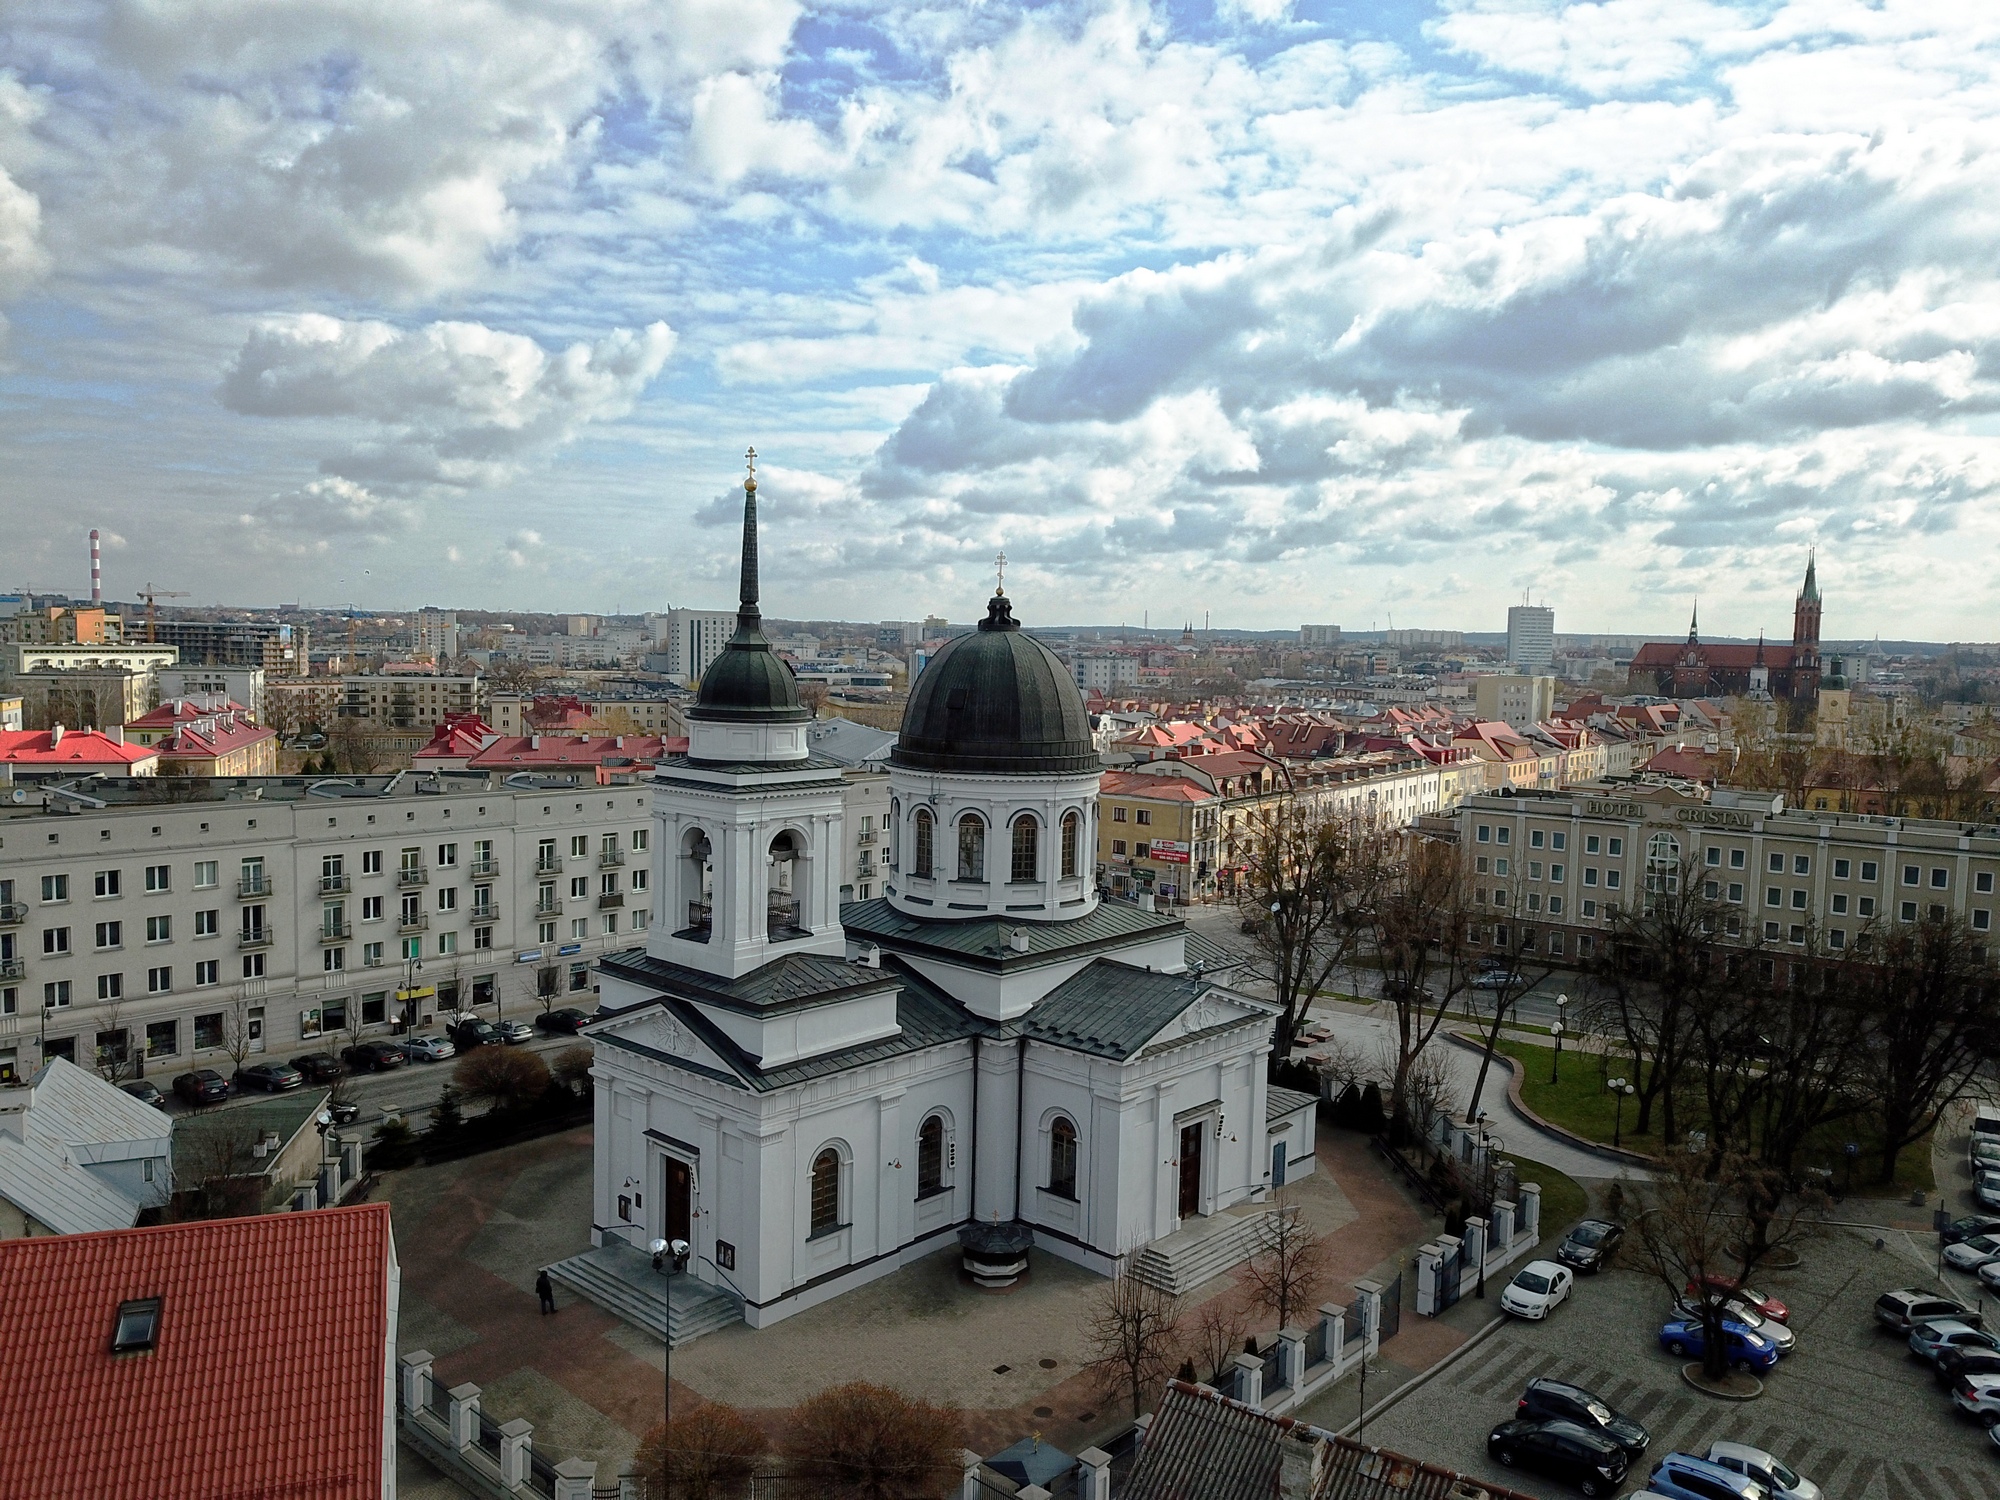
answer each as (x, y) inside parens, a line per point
(534, 742)
(117, 733)
(55, 736)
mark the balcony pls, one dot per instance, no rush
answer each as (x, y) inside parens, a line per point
(13, 968)
(413, 921)
(13, 913)
(410, 875)
(487, 913)
(610, 859)
(864, 839)
(255, 937)
(334, 885)
(548, 864)
(335, 932)
(254, 888)
(482, 869)
(549, 908)
(610, 903)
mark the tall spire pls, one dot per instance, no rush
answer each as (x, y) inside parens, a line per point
(746, 611)
(1810, 593)
(1694, 626)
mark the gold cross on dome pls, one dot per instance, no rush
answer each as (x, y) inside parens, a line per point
(1000, 564)
(752, 462)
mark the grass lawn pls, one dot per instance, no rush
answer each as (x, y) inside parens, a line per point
(1563, 1199)
(1579, 1102)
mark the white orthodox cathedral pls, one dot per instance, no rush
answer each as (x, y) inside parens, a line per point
(812, 1094)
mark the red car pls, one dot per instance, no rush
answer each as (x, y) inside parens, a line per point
(1770, 1307)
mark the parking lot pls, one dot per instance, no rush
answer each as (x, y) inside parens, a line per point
(1848, 1410)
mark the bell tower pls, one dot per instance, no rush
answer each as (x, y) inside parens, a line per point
(1805, 638)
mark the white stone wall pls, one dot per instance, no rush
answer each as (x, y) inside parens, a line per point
(997, 801)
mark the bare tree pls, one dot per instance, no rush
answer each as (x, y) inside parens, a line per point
(1421, 931)
(1289, 1266)
(812, 697)
(239, 1034)
(868, 1442)
(1219, 1329)
(503, 1078)
(214, 1170)
(119, 1060)
(1519, 948)
(709, 1454)
(1132, 1335)
(1307, 887)
(1705, 1233)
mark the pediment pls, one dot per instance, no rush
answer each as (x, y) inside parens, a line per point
(657, 1031)
(1213, 1008)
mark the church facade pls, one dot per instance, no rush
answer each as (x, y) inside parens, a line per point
(1692, 669)
(811, 1095)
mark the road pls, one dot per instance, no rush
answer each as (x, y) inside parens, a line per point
(410, 1090)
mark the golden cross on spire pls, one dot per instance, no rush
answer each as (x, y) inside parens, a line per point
(1000, 565)
(751, 464)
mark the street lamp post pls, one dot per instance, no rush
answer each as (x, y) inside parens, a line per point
(1488, 1144)
(1620, 1092)
(661, 1249)
(1555, 1065)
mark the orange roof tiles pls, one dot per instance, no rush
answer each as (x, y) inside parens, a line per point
(269, 1378)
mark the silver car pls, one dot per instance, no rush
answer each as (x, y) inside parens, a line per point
(1929, 1340)
(1783, 1339)
(1780, 1480)
(428, 1049)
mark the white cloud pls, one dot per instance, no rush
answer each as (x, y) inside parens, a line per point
(450, 403)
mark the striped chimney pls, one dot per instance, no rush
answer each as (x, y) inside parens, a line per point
(96, 571)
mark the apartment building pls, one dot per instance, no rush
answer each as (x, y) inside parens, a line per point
(410, 700)
(1793, 880)
(1531, 638)
(281, 650)
(628, 708)
(1158, 834)
(691, 639)
(164, 918)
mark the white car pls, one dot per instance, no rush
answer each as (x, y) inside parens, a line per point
(1537, 1289)
(1970, 1255)
(1782, 1482)
(1978, 1396)
(1989, 1276)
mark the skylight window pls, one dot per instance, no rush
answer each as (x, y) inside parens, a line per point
(138, 1326)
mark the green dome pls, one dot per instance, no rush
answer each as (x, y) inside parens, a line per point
(749, 683)
(996, 702)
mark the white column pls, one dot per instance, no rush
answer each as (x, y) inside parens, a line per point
(998, 1104)
(1166, 1176)
(516, 1441)
(1531, 1211)
(1094, 1475)
(417, 1379)
(1249, 1379)
(576, 1479)
(464, 1416)
(969, 1487)
(896, 1191)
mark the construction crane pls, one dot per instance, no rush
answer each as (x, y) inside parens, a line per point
(149, 594)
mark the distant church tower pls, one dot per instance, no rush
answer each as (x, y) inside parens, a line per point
(1805, 640)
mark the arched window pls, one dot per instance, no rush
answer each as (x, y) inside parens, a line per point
(1072, 837)
(1663, 865)
(971, 848)
(1027, 843)
(784, 911)
(930, 1157)
(1062, 1159)
(826, 1191)
(895, 830)
(697, 883)
(926, 828)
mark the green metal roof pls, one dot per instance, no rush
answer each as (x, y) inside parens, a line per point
(787, 983)
(1109, 1009)
(984, 941)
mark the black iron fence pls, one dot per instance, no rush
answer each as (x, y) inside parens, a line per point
(1392, 1308)
(1316, 1343)
(1274, 1369)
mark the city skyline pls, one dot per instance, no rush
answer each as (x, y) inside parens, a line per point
(1277, 311)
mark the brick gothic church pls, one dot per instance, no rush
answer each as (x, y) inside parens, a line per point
(1787, 674)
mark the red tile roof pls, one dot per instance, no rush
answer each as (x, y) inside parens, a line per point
(77, 747)
(523, 752)
(269, 1378)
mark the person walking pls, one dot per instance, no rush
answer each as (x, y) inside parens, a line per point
(545, 1289)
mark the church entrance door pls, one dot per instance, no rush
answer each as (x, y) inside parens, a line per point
(1190, 1204)
(679, 1200)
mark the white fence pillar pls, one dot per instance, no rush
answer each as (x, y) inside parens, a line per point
(517, 1440)
(1429, 1259)
(417, 1379)
(464, 1416)
(1476, 1245)
(576, 1479)
(1033, 1492)
(1369, 1295)
(1248, 1379)
(1531, 1210)
(1332, 1329)
(969, 1486)
(1292, 1356)
(631, 1485)
(1503, 1226)
(1093, 1475)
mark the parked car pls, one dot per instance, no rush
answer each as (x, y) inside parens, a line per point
(319, 1067)
(1967, 1227)
(1904, 1308)
(344, 1111)
(1971, 1254)
(1558, 1401)
(515, 1032)
(1538, 1289)
(1497, 979)
(1562, 1450)
(1982, 1147)
(1736, 1312)
(566, 1020)
(1970, 1360)
(1978, 1396)
(1929, 1340)
(146, 1092)
(1682, 1476)
(1783, 1482)
(427, 1049)
(373, 1057)
(1590, 1244)
(1770, 1307)
(271, 1077)
(1747, 1350)
(202, 1086)
(475, 1032)
(1986, 1188)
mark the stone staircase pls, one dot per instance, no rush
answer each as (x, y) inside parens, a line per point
(1204, 1249)
(622, 1281)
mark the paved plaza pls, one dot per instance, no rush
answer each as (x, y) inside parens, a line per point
(473, 1233)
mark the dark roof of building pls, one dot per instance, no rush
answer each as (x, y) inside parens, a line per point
(788, 983)
(749, 683)
(1211, 955)
(983, 941)
(926, 1016)
(996, 702)
(1279, 1102)
(267, 1376)
(1655, 655)
(1109, 1009)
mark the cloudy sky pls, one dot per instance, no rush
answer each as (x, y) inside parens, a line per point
(1277, 309)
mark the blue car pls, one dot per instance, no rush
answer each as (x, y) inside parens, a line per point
(1747, 1350)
